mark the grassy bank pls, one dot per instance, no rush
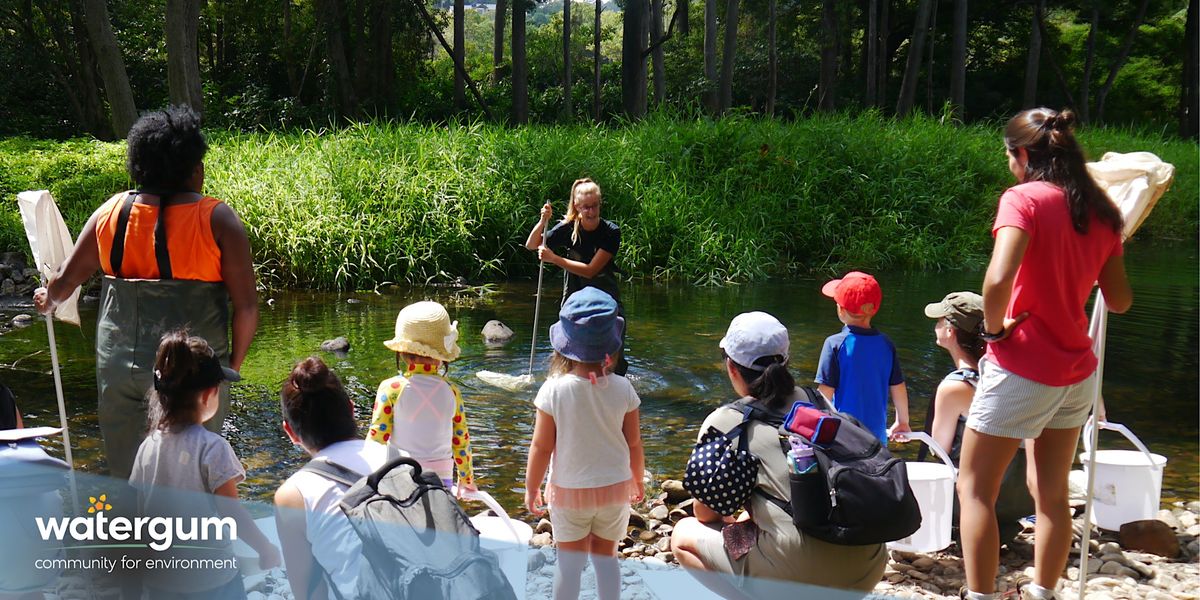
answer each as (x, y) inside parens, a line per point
(701, 201)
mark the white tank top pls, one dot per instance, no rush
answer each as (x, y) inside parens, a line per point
(334, 544)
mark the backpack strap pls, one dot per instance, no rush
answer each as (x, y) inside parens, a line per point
(332, 471)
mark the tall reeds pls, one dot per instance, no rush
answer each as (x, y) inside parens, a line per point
(698, 200)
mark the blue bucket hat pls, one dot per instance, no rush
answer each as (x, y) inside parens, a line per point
(588, 328)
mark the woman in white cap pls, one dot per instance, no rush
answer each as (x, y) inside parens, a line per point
(745, 553)
(419, 412)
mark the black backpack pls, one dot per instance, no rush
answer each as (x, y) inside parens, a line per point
(417, 542)
(858, 495)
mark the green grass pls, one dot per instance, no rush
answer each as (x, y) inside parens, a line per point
(701, 201)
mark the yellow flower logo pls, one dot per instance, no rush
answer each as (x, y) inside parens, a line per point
(100, 504)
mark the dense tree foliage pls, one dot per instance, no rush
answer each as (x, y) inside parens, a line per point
(313, 63)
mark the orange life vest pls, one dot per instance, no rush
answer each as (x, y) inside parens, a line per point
(190, 251)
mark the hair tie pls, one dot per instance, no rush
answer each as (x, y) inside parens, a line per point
(159, 386)
(592, 377)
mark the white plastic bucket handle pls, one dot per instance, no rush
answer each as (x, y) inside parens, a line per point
(1119, 428)
(921, 436)
(491, 503)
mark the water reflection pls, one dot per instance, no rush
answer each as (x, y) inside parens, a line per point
(1151, 382)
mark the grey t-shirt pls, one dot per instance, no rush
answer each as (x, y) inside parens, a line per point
(176, 474)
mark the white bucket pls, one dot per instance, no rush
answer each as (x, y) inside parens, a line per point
(933, 485)
(507, 538)
(1128, 483)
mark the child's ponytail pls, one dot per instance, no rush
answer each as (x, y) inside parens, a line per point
(174, 398)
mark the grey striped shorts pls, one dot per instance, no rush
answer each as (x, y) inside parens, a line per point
(1011, 406)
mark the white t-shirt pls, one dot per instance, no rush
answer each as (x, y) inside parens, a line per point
(335, 546)
(590, 449)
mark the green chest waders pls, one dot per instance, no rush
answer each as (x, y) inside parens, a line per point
(134, 315)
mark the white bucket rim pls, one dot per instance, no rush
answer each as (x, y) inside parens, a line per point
(928, 471)
(1123, 458)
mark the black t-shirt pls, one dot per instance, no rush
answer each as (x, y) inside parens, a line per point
(607, 236)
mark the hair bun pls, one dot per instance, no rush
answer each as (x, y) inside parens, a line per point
(310, 375)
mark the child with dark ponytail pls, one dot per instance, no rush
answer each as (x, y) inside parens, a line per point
(184, 470)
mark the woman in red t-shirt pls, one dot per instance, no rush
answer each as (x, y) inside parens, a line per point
(1056, 234)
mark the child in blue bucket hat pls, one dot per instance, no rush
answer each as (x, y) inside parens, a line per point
(587, 433)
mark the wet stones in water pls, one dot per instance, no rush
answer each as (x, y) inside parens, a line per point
(22, 320)
(496, 332)
(338, 345)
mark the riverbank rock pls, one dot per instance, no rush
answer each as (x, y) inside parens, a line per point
(675, 491)
(22, 320)
(337, 344)
(496, 332)
(1150, 535)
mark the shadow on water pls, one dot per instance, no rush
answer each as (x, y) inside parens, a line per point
(1151, 381)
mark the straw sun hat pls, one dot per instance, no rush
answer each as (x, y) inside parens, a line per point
(424, 329)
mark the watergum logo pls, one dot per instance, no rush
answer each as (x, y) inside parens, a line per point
(157, 533)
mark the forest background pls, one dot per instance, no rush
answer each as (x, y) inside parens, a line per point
(374, 141)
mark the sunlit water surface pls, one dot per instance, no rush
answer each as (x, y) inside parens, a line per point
(1150, 379)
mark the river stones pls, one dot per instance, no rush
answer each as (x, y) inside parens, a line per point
(675, 491)
(1150, 535)
(338, 344)
(496, 332)
(22, 320)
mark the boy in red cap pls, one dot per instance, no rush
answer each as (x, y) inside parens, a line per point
(859, 367)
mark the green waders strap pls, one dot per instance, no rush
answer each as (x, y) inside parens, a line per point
(161, 255)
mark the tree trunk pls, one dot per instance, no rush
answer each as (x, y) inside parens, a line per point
(460, 55)
(710, 56)
(643, 44)
(122, 111)
(1119, 63)
(1039, 16)
(520, 70)
(728, 55)
(828, 72)
(568, 111)
(681, 6)
(597, 102)
(912, 68)
(772, 57)
(331, 14)
(932, 33)
(183, 56)
(633, 67)
(285, 51)
(958, 61)
(498, 39)
(1085, 85)
(382, 63)
(93, 107)
(1189, 99)
(884, 61)
(1033, 61)
(872, 52)
(656, 33)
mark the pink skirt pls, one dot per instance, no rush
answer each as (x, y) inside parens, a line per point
(581, 498)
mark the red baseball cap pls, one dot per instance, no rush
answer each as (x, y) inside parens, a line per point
(854, 292)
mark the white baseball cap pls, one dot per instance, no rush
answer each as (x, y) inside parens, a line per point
(752, 336)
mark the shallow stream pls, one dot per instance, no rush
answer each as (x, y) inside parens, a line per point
(1151, 378)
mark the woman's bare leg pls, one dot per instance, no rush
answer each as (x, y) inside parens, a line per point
(1053, 452)
(683, 545)
(984, 459)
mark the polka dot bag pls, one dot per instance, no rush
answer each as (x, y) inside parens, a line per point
(720, 474)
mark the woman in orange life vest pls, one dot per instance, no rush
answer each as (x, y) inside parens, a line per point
(171, 257)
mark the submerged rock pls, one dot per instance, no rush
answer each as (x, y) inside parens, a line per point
(496, 332)
(338, 344)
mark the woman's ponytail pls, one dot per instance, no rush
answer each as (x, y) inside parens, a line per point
(772, 386)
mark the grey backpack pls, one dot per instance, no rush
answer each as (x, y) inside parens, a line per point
(417, 542)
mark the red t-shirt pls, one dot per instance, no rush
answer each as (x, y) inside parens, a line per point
(1053, 283)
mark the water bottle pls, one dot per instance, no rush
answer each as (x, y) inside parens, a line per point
(801, 457)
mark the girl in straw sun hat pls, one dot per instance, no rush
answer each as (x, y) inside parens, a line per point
(419, 412)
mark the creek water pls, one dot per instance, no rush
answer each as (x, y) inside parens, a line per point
(1150, 380)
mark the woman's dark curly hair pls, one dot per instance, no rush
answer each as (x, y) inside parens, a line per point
(164, 148)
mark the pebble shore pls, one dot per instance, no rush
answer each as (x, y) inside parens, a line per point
(1117, 573)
